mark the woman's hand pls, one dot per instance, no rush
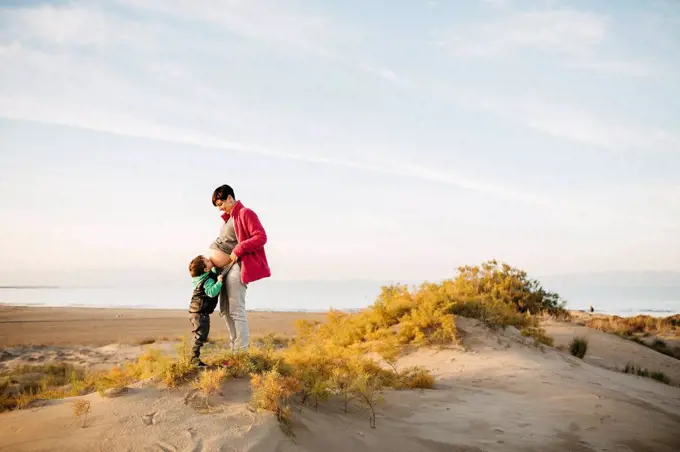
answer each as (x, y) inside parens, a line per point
(233, 257)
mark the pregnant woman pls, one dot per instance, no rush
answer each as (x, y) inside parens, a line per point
(239, 253)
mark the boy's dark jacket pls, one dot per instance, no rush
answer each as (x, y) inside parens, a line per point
(206, 291)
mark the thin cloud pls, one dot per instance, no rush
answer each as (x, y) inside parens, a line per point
(496, 3)
(99, 98)
(578, 125)
(573, 36)
(631, 68)
(139, 127)
(564, 32)
(564, 121)
(72, 25)
(385, 73)
(272, 23)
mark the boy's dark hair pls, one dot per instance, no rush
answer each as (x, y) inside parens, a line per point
(221, 193)
(197, 266)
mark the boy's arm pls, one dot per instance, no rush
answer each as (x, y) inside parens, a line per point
(258, 237)
(212, 287)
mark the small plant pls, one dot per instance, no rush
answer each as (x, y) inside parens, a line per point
(179, 370)
(390, 351)
(115, 378)
(81, 408)
(7, 403)
(539, 335)
(642, 372)
(415, 378)
(24, 399)
(341, 381)
(368, 390)
(635, 370)
(271, 342)
(272, 391)
(579, 347)
(210, 381)
(312, 368)
(660, 377)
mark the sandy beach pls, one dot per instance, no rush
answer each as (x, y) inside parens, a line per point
(20, 325)
(497, 391)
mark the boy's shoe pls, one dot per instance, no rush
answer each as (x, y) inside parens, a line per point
(198, 363)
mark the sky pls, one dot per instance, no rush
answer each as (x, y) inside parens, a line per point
(375, 140)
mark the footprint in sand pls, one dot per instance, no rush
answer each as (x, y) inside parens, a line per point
(150, 418)
(196, 447)
(165, 447)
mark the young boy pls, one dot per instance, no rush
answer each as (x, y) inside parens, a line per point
(207, 286)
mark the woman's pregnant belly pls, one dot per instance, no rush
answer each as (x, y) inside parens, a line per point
(219, 258)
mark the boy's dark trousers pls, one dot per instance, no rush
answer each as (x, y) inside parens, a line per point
(201, 324)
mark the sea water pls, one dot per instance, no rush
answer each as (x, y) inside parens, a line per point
(322, 295)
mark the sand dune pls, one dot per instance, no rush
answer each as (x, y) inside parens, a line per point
(500, 395)
(612, 351)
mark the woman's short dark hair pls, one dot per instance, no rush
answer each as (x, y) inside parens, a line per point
(221, 193)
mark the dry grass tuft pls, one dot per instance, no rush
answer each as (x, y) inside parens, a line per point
(23, 385)
(639, 324)
(81, 408)
(539, 335)
(415, 378)
(210, 381)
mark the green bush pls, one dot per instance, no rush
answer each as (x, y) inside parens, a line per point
(660, 376)
(579, 347)
(641, 372)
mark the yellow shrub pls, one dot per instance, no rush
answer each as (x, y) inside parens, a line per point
(415, 378)
(210, 381)
(272, 391)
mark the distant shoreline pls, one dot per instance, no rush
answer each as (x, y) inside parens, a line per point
(155, 308)
(660, 313)
(31, 287)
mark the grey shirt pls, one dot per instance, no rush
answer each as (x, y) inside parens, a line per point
(226, 241)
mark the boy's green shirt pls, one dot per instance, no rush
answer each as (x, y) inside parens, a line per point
(212, 288)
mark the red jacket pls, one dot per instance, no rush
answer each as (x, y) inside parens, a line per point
(251, 239)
